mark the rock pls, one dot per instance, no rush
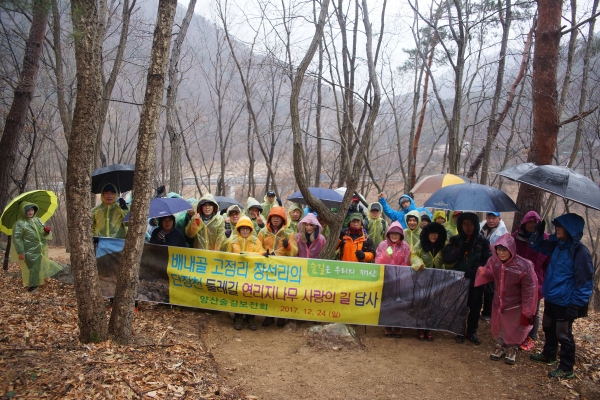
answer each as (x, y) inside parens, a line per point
(333, 336)
(66, 275)
(587, 390)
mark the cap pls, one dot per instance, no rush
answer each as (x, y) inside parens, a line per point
(376, 206)
(270, 193)
(495, 214)
(109, 188)
(402, 199)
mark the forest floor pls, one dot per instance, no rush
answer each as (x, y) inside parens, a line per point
(179, 352)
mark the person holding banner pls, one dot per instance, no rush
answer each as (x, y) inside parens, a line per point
(277, 240)
(465, 252)
(413, 229)
(244, 241)
(393, 251)
(375, 225)
(428, 254)
(515, 298)
(354, 244)
(167, 234)
(207, 227)
(309, 238)
(295, 212)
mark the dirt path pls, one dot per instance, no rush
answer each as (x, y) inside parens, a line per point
(276, 363)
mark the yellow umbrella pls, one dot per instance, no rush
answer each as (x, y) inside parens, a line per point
(433, 183)
(46, 201)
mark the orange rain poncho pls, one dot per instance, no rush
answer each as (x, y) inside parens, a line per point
(516, 292)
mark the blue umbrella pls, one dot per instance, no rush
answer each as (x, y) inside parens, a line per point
(163, 206)
(329, 197)
(471, 197)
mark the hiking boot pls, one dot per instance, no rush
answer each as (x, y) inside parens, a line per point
(252, 323)
(239, 322)
(268, 321)
(389, 332)
(498, 353)
(421, 334)
(541, 358)
(561, 374)
(459, 339)
(528, 344)
(473, 338)
(281, 322)
(398, 332)
(511, 356)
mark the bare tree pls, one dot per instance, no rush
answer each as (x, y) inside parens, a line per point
(127, 279)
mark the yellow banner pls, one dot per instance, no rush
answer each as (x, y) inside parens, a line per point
(288, 287)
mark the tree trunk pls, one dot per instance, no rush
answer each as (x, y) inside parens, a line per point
(545, 113)
(121, 318)
(88, 49)
(64, 111)
(17, 115)
(175, 183)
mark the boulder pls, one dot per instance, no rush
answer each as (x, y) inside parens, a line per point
(333, 336)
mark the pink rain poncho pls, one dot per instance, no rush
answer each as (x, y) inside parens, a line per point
(389, 253)
(516, 291)
(317, 240)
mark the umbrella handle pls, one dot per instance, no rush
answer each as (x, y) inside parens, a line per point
(535, 235)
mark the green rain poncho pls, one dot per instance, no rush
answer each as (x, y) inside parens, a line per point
(376, 227)
(30, 239)
(210, 234)
(411, 236)
(107, 220)
(252, 202)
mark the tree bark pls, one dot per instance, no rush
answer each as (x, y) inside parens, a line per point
(175, 183)
(545, 101)
(17, 115)
(121, 318)
(88, 49)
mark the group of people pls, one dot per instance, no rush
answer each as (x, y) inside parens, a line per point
(509, 274)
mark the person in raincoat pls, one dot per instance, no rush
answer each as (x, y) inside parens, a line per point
(406, 203)
(167, 234)
(375, 225)
(269, 202)
(253, 211)
(393, 251)
(244, 241)
(355, 244)
(451, 224)
(234, 213)
(440, 217)
(465, 252)
(428, 254)
(412, 232)
(515, 298)
(309, 239)
(540, 265)
(355, 207)
(107, 217)
(567, 288)
(295, 213)
(277, 240)
(207, 226)
(425, 218)
(30, 242)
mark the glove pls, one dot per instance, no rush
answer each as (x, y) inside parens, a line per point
(470, 273)
(122, 203)
(161, 235)
(540, 227)
(279, 202)
(285, 243)
(227, 233)
(47, 229)
(360, 255)
(525, 321)
(22, 257)
(160, 190)
(572, 312)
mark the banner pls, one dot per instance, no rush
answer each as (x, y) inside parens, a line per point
(291, 287)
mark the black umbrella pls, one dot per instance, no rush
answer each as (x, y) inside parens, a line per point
(329, 197)
(225, 202)
(119, 175)
(471, 197)
(561, 181)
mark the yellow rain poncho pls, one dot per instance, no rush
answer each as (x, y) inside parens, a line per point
(411, 236)
(376, 227)
(274, 241)
(30, 239)
(252, 202)
(293, 225)
(107, 219)
(427, 254)
(250, 245)
(207, 234)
